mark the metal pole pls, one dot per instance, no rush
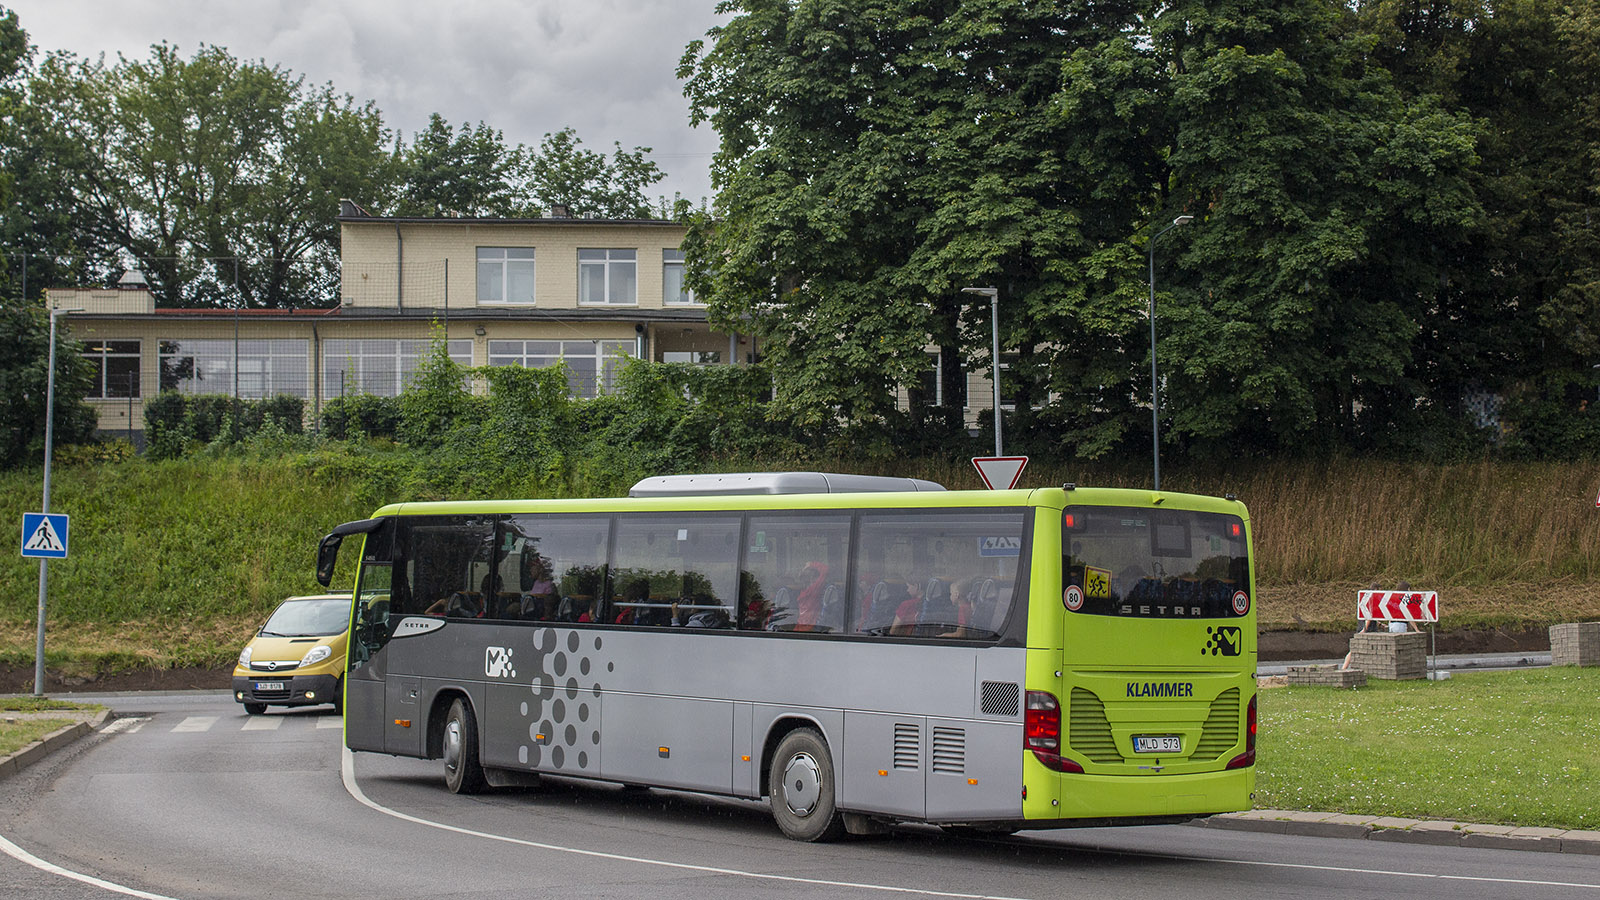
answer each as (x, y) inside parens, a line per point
(1155, 385)
(49, 445)
(994, 333)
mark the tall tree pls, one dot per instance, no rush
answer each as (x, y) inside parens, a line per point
(40, 242)
(474, 173)
(586, 182)
(467, 173)
(1326, 203)
(219, 177)
(1519, 315)
(24, 382)
(878, 157)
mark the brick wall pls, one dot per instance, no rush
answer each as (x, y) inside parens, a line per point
(1575, 644)
(1392, 657)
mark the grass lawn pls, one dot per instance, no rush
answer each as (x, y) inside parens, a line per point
(19, 733)
(1515, 748)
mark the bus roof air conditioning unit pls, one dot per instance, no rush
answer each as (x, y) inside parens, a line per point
(774, 483)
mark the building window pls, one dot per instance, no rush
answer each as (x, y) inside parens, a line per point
(692, 357)
(592, 366)
(673, 290)
(254, 369)
(608, 277)
(505, 274)
(116, 368)
(381, 367)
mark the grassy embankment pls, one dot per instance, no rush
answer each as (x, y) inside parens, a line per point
(173, 564)
(1470, 749)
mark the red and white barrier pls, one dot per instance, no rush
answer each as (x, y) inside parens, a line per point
(1398, 606)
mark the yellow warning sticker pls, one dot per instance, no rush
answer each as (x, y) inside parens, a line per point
(1096, 582)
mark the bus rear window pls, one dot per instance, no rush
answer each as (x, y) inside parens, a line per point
(1154, 563)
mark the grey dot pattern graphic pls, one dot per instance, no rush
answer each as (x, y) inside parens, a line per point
(554, 710)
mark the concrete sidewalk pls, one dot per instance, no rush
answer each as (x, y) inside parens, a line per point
(1408, 831)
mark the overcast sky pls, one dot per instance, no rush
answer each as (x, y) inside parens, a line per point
(526, 67)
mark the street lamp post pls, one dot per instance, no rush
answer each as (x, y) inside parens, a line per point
(49, 446)
(1155, 388)
(994, 332)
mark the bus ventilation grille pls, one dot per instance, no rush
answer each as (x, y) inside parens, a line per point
(907, 746)
(949, 751)
(1088, 731)
(1221, 731)
(1000, 698)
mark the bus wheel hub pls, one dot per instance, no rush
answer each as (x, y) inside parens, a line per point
(802, 784)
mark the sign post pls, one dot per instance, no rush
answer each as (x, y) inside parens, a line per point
(1000, 473)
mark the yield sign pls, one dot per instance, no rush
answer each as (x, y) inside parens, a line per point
(1000, 473)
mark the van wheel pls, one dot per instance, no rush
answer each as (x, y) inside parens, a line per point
(463, 774)
(338, 697)
(255, 709)
(803, 788)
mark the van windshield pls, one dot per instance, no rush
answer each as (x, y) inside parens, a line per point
(315, 617)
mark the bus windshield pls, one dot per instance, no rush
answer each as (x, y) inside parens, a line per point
(1154, 563)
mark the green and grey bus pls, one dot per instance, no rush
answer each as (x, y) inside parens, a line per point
(860, 650)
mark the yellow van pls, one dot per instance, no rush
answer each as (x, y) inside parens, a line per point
(297, 658)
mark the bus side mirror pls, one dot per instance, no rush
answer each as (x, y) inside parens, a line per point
(327, 555)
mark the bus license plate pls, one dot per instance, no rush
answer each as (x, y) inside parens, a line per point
(1162, 744)
(278, 686)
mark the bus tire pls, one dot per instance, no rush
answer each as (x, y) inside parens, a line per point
(463, 773)
(255, 709)
(803, 795)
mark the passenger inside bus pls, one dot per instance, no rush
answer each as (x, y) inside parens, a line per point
(634, 594)
(539, 600)
(808, 603)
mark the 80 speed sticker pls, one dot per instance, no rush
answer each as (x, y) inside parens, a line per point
(1072, 598)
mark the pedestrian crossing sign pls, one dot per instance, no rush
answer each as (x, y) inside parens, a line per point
(44, 535)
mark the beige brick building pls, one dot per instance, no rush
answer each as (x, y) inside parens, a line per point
(526, 292)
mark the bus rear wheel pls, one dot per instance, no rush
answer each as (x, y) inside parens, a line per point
(802, 783)
(463, 774)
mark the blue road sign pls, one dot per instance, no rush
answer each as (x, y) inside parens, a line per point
(44, 535)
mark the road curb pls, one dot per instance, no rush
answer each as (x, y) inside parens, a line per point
(49, 744)
(1407, 831)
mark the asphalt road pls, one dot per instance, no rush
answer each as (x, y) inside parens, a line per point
(188, 798)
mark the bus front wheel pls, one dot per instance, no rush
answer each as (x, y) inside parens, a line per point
(463, 774)
(803, 788)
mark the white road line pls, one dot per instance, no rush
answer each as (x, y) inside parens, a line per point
(22, 855)
(196, 723)
(348, 772)
(330, 722)
(125, 726)
(260, 723)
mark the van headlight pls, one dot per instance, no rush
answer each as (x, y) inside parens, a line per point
(317, 654)
(244, 657)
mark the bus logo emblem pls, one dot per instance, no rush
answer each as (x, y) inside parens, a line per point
(497, 663)
(1226, 641)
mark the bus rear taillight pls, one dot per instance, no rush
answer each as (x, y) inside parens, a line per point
(1041, 731)
(1248, 757)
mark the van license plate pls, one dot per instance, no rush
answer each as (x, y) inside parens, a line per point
(278, 686)
(1162, 744)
